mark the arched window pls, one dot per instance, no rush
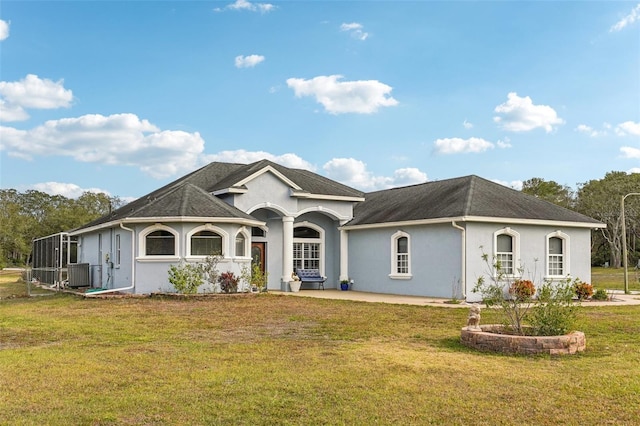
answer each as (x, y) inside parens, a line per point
(557, 254)
(207, 240)
(308, 241)
(400, 256)
(206, 243)
(242, 239)
(158, 240)
(506, 243)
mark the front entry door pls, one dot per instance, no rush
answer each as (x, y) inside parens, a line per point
(259, 255)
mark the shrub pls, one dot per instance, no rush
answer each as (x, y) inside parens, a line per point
(228, 282)
(522, 290)
(600, 294)
(254, 277)
(583, 290)
(555, 312)
(186, 277)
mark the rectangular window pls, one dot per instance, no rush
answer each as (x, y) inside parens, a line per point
(556, 256)
(504, 253)
(306, 255)
(118, 254)
(402, 256)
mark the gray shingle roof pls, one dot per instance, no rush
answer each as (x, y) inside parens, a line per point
(454, 198)
(189, 196)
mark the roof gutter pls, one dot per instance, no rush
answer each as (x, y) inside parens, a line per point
(463, 279)
(133, 266)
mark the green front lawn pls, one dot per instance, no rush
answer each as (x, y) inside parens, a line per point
(613, 278)
(274, 359)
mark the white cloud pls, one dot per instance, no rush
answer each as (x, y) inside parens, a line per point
(31, 92)
(590, 131)
(514, 184)
(355, 30)
(249, 61)
(68, 190)
(9, 112)
(633, 170)
(521, 115)
(4, 30)
(629, 152)
(338, 97)
(459, 145)
(246, 157)
(628, 128)
(504, 143)
(354, 173)
(467, 125)
(247, 5)
(629, 19)
(121, 139)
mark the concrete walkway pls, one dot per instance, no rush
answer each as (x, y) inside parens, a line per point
(619, 298)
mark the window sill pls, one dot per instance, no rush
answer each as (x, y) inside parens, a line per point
(158, 258)
(400, 276)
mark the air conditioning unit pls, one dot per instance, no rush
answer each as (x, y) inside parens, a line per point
(78, 274)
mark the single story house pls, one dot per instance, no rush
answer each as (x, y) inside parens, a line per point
(421, 240)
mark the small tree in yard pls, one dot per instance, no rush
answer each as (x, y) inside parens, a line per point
(210, 271)
(551, 313)
(515, 303)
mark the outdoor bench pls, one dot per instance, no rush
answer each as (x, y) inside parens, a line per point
(311, 276)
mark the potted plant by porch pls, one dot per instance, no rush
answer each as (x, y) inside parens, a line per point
(344, 285)
(295, 283)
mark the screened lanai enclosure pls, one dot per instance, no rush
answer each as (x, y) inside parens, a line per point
(53, 261)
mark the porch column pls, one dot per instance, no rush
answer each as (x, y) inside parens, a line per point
(344, 255)
(287, 248)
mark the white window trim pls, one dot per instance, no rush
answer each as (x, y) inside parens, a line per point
(319, 240)
(394, 275)
(566, 266)
(516, 249)
(142, 243)
(226, 249)
(246, 233)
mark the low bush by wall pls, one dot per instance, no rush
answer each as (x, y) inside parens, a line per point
(488, 338)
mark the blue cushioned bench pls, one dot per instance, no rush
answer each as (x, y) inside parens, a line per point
(311, 276)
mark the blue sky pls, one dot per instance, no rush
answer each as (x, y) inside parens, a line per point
(123, 97)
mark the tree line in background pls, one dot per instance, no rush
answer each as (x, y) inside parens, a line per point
(600, 199)
(33, 214)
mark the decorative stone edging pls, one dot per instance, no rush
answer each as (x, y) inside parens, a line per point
(488, 338)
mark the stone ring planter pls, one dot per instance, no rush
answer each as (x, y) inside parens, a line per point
(488, 338)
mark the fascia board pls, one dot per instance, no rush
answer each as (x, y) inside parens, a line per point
(266, 169)
(232, 190)
(311, 196)
(477, 219)
(174, 219)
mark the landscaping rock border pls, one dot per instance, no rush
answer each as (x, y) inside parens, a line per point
(489, 339)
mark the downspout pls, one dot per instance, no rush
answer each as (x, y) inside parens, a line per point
(463, 279)
(133, 272)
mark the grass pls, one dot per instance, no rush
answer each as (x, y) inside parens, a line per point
(272, 359)
(613, 278)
